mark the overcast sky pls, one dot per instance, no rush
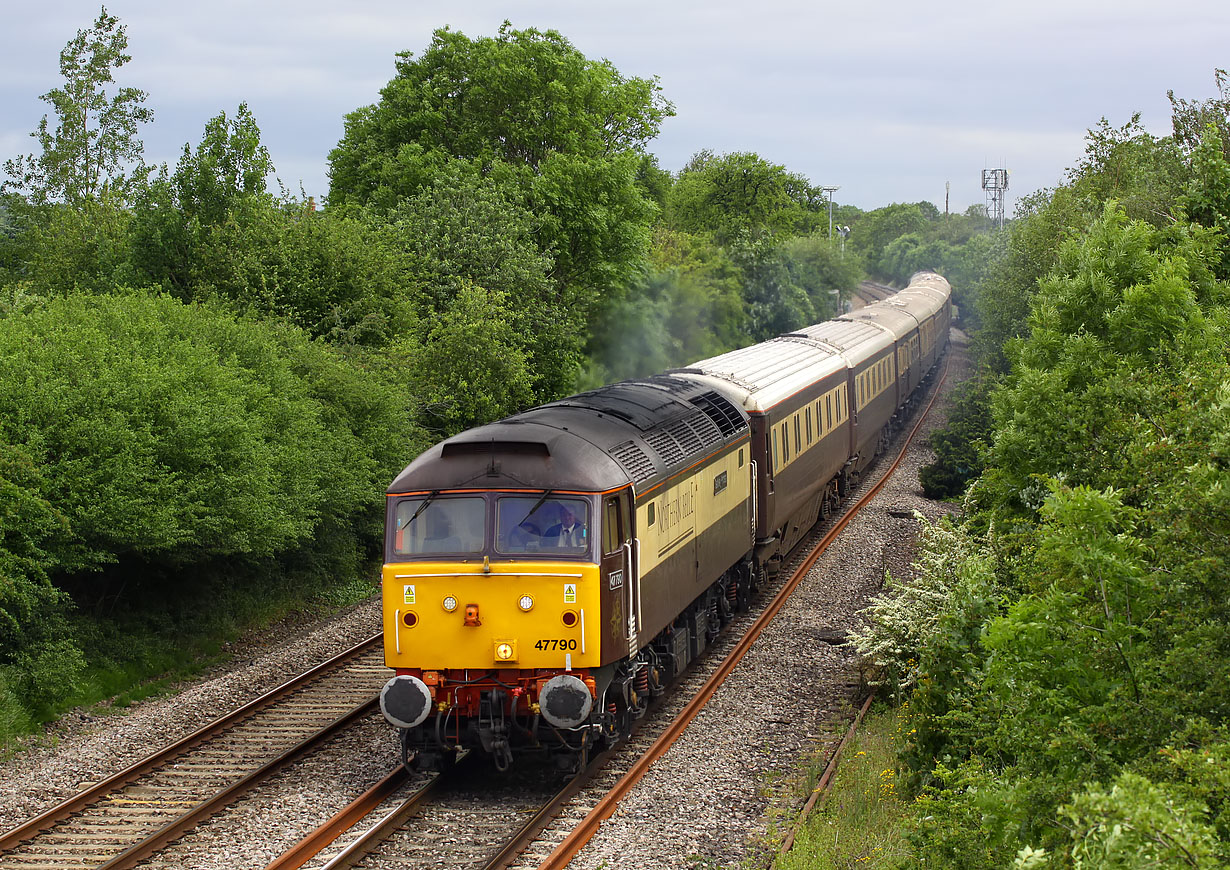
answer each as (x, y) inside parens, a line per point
(891, 100)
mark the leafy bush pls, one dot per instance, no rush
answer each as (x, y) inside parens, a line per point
(953, 577)
(181, 447)
(1137, 823)
(960, 445)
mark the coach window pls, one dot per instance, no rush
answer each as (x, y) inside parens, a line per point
(797, 436)
(740, 457)
(775, 461)
(808, 417)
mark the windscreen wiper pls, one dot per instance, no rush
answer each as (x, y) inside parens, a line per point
(546, 495)
(430, 498)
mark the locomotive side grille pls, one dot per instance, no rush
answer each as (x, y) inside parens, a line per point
(633, 460)
(721, 411)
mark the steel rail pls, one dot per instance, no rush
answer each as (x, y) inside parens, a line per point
(345, 819)
(821, 789)
(173, 830)
(46, 820)
(383, 829)
(588, 827)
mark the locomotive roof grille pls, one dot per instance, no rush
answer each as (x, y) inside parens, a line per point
(633, 460)
(665, 445)
(685, 432)
(721, 411)
(684, 438)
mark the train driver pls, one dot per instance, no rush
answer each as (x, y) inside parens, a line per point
(568, 533)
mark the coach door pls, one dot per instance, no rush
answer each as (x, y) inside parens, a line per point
(620, 570)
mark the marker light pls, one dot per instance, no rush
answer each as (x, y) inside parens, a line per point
(449, 604)
(505, 651)
(410, 618)
(526, 603)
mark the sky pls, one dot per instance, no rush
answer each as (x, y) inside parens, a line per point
(886, 100)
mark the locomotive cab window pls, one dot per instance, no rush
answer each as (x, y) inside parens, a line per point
(612, 528)
(434, 524)
(555, 525)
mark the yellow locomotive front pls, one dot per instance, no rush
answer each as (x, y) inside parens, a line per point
(491, 619)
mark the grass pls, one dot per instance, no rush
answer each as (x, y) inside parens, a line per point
(857, 826)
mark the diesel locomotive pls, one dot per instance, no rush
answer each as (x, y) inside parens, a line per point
(548, 574)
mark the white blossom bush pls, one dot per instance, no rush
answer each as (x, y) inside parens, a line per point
(952, 572)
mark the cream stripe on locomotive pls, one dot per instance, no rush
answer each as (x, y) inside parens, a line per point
(692, 505)
(807, 426)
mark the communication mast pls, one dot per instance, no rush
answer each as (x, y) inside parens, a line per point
(995, 182)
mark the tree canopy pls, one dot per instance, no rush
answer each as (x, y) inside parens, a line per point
(94, 143)
(561, 135)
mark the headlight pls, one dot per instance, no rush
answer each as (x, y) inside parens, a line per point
(449, 604)
(526, 603)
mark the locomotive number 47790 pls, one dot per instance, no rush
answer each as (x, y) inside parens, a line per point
(569, 644)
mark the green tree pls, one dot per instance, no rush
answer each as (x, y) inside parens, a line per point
(740, 194)
(88, 154)
(817, 266)
(1142, 172)
(460, 231)
(1190, 118)
(229, 166)
(210, 230)
(469, 369)
(171, 433)
(561, 136)
(872, 233)
(1207, 197)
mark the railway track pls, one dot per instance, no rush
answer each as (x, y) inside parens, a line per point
(132, 815)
